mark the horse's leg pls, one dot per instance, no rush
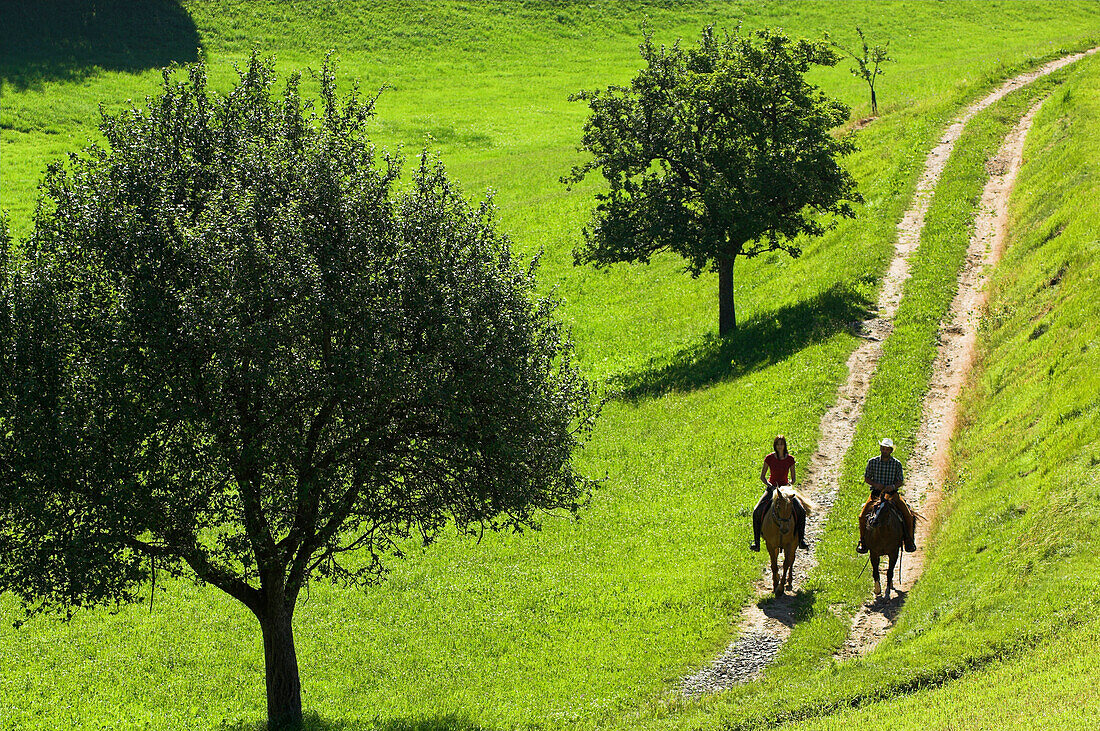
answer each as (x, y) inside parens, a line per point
(788, 565)
(777, 583)
(874, 572)
(890, 573)
(782, 571)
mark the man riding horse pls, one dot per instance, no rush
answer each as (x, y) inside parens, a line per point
(884, 475)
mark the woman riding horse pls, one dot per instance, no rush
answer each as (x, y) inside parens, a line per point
(779, 533)
(778, 471)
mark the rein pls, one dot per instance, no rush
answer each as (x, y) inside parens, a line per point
(884, 504)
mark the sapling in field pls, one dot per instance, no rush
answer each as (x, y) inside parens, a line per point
(715, 152)
(237, 348)
(868, 63)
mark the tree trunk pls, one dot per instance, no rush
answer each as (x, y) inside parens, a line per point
(874, 103)
(284, 690)
(727, 315)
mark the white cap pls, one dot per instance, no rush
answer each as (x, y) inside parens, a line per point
(887, 442)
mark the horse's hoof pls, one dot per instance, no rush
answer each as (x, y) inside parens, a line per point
(878, 590)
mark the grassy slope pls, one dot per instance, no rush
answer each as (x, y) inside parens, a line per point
(1055, 685)
(804, 682)
(489, 83)
(1016, 557)
(583, 621)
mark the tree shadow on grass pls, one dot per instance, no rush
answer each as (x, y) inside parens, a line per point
(448, 722)
(314, 722)
(68, 40)
(761, 341)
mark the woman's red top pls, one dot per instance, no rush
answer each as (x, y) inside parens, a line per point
(780, 469)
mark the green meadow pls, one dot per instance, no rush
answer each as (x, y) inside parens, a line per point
(591, 623)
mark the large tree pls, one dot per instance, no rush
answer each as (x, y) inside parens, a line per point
(240, 349)
(715, 152)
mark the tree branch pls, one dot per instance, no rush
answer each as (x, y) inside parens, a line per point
(204, 568)
(299, 573)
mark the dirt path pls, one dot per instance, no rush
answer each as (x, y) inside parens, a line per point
(765, 624)
(928, 465)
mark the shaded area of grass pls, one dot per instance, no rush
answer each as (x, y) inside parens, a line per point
(763, 340)
(447, 722)
(315, 722)
(789, 609)
(66, 40)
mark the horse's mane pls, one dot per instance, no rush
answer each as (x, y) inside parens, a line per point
(789, 492)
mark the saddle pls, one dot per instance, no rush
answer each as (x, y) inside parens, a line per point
(770, 497)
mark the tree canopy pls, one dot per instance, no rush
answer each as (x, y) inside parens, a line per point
(239, 347)
(714, 152)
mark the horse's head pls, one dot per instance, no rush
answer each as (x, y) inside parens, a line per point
(881, 511)
(783, 505)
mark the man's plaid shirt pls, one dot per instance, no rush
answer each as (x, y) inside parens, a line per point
(883, 470)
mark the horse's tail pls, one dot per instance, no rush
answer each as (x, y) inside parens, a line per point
(807, 503)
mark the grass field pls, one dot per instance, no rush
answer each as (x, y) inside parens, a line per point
(582, 624)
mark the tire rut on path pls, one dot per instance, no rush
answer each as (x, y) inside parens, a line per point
(766, 623)
(958, 335)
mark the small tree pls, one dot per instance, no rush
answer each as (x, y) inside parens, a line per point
(715, 152)
(868, 64)
(236, 352)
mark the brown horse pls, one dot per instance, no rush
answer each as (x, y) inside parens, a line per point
(779, 534)
(885, 537)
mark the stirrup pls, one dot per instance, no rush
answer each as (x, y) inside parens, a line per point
(860, 548)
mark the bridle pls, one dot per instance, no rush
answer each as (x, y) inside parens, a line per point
(883, 504)
(783, 523)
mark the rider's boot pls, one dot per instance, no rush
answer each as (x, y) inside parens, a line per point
(910, 529)
(861, 547)
(757, 519)
(800, 524)
(908, 519)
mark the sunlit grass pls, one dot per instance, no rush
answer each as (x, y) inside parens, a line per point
(1014, 571)
(1013, 564)
(582, 623)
